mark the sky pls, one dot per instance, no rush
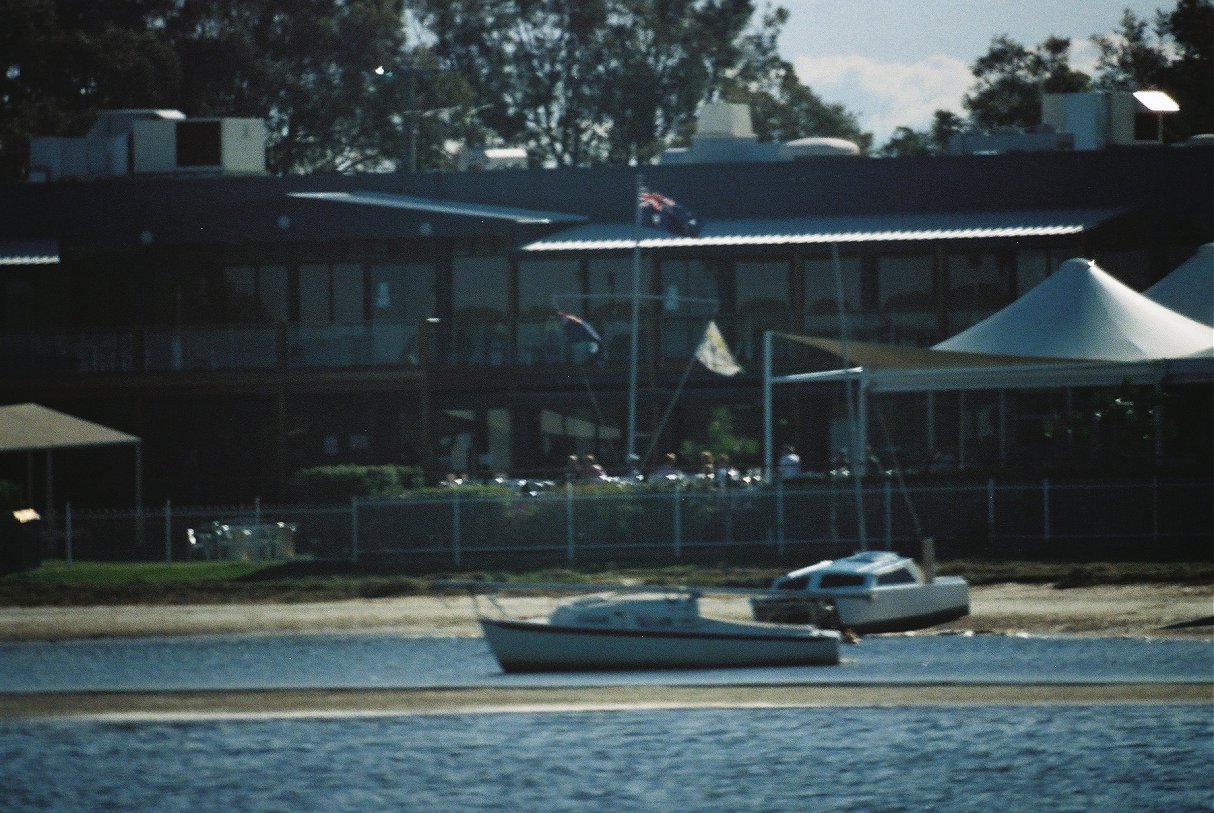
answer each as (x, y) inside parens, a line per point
(895, 62)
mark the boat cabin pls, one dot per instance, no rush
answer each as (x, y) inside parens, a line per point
(863, 570)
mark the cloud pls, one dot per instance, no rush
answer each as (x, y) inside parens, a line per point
(886, 95)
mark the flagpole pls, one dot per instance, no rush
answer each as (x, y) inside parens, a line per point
(634, 343)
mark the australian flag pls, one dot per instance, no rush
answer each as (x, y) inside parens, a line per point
(660, 212)
(578, 331)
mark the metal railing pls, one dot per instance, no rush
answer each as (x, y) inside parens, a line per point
(566, 525)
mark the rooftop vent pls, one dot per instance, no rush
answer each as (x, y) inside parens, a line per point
(133, 142)
(725, 133)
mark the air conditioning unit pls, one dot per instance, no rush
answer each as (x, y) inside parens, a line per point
(223, 145)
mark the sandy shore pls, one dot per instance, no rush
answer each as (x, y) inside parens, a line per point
(1130, 610)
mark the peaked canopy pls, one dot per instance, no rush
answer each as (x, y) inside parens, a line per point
(1189, 290)
(1081, 312)
(32, 427)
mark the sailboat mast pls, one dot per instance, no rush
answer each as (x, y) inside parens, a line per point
(634, 341)
(859, 457)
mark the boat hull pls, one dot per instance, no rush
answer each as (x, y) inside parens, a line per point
(884, 609)
(537, 646)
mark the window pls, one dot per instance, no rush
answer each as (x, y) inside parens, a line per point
(976, 289)
(609, 283)
(899, 576)
(905, 288)
(198, 144)
(539, 281)
(830, 580)
(763, 303)
(683, 328)
(821, 300)
(479, 293)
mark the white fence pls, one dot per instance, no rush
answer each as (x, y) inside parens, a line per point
(454, 529)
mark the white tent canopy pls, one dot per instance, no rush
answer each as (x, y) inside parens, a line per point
(1189, 290)
(1078, 328)
(1081, 312)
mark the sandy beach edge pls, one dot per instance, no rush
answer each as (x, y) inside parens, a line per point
(272, 703)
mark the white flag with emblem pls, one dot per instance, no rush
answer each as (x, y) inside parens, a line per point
(714, 354)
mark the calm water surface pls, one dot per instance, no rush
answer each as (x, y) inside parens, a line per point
(378, 660)
(1055, 758)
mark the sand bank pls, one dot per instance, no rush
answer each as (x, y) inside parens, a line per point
(1129, 610)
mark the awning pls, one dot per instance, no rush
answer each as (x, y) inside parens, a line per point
(27, 252)
(443, 207)
(894, 368)
(32, 427)
(840, 229)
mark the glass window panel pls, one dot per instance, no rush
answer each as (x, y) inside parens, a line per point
(609, 282)
(976, 289)
(905, 293)
(1032, 266)
(539, 336)
(388, 293)
(314, 299)
(820, 288)
(241, 284)
(683, 329)
(274, 292)
(348, 299)
(479, 295)
(762, 297)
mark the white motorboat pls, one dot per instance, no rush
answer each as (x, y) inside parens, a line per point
(870, 591)
(649, 631)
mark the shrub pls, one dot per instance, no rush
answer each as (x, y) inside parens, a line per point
(340, 483)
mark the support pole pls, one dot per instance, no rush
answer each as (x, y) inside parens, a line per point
(768, 451)
(569, 522)
(634, 343)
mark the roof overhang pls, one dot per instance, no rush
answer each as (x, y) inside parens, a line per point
(29, 252)
(32, 427)
(479, 211)
(832, 229)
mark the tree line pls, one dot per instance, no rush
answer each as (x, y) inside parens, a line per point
(383, 85)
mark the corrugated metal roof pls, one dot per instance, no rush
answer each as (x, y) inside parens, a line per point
(443, 207)
(27, 252)
(841, 229)
(31, 427)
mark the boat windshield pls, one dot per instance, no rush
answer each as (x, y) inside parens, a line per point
(899, 576)
(830, 580)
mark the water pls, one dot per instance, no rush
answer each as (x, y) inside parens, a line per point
(1083, 757)
(1069, 758)
(379, 660)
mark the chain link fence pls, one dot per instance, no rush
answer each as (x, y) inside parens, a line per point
(452, 530)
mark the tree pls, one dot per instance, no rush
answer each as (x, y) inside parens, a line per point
(333, 78)
(908, 141)
(618, 81)
(1010, 80)
(64, 60)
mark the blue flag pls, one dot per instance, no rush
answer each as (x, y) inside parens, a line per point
(660, 212)
(578, 331)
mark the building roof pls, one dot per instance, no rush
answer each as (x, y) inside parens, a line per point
(832, 229)
(33, 427)
(444, 207)
(29, 252)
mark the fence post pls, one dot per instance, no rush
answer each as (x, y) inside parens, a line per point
(888, 500)
(168, 532)
(1045, 508)
(780, 515)
(990, 509)
(678, 519)
(67, 522)
(569, 522)
(455, 529)
(1155, 509)
(354, 529)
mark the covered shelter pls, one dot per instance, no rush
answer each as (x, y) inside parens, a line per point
(34, 428)
(1189, 290)
(1078, 328)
